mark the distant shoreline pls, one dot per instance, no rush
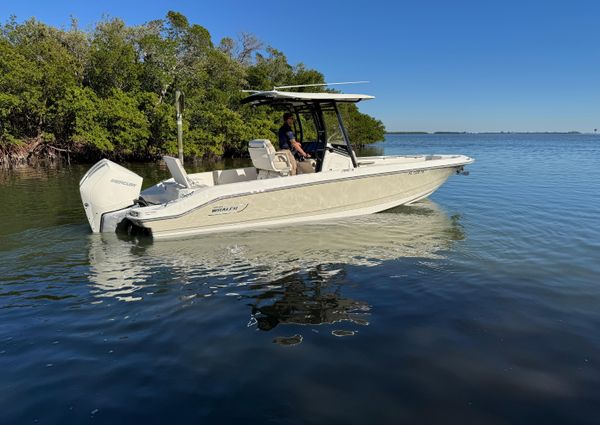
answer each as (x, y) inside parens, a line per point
(485, 132)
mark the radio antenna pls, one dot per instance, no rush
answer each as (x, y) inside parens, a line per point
(317, 85)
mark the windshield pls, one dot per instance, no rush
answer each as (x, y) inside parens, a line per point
(309, 129)
(334, 132)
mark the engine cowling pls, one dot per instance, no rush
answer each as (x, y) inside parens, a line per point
(107, 187)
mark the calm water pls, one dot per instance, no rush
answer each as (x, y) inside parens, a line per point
(481, 305)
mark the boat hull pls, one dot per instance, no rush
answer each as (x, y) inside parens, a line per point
(310, 201)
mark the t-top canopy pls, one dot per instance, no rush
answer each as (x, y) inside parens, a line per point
(274, 96)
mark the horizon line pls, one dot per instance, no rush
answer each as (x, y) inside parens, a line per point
(490, 132)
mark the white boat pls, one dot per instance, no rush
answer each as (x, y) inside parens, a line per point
(332, 185)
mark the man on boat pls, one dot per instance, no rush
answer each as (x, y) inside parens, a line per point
(287, 140)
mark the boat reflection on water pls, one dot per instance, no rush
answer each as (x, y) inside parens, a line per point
(292, 275)
(313, 298)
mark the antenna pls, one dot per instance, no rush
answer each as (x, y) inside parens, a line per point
(316, 85)
(179, 103)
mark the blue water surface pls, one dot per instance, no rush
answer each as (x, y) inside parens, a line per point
(480, 305)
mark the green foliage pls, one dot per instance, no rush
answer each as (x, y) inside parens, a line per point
(79, 116)
(116, 123)
(110, 91)
(161, 123)
(21, 99)
(362, 129)
(112, 60)
(127, 125)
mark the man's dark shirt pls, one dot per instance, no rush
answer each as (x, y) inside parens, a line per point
(286, 135)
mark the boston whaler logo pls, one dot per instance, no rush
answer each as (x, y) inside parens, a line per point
(222, 209)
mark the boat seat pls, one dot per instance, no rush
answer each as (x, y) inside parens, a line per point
(269, 162)
(178, 172)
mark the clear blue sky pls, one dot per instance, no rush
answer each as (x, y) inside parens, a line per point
(433, 65)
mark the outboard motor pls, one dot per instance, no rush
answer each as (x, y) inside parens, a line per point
(107, 187)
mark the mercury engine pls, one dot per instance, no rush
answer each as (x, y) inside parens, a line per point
(106, 189)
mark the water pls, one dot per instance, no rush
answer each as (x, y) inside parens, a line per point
(480, 305)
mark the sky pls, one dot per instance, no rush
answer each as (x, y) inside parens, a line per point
(450, 65)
